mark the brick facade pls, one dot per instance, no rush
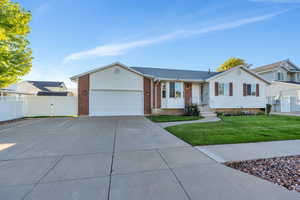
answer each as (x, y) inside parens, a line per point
(156, 95)
(83, 94)
(147, 96)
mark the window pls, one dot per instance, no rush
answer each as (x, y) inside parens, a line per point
(298, 77)
(175, 90)
(172, 89)
(178, 90)
(224, 89)
(163, 90)
(250, 89)
(279, 76)
(253, 90)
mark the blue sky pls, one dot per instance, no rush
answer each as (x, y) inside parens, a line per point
(72, 36)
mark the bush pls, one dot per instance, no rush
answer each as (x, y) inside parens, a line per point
(268, 109)
(192, 110)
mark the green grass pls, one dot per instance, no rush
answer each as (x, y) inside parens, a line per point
(172, 118)
(240, 129)
(30, 117)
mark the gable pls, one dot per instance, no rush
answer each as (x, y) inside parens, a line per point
(116, 78)
(239, 75)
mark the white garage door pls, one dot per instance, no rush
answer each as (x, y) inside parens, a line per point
(116, 103)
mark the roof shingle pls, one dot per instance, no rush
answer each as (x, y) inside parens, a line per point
(175, 73)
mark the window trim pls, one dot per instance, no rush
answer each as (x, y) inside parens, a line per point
(163, 90)
(279, 76)
(249, 89)
(224, 89)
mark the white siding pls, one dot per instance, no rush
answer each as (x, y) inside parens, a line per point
(169, 102)
(238, 78)
(116, 78)
(268, 75)
(276, 88)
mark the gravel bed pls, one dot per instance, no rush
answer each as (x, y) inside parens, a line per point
(284, 171)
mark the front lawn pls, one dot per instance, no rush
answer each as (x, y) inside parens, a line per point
(239, 129)
(172, 118)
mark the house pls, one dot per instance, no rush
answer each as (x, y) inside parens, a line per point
(42, 88)
(284, 91)
(117, 89)
(283, 71)
(13, 93)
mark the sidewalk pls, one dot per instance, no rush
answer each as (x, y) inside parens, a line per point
(206, 119)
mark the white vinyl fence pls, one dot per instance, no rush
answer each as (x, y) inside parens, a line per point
(11, 108)
(32, 106)
(285, 103)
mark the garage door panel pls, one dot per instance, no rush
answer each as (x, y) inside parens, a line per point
(113, 103)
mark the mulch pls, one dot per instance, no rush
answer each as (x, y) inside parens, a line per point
(284, 171)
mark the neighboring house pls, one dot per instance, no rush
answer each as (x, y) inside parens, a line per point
(10, 92)
(284, 71)
(120, 90)
(42, 88)
(284, 90)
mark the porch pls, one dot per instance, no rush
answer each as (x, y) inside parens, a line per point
(171, 97)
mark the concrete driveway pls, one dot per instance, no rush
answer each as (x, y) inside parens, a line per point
(115, 158)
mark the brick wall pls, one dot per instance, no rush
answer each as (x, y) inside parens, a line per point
(83, 94)
(147, 96)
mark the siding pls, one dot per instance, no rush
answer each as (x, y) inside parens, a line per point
(238, 78)
(116, 78)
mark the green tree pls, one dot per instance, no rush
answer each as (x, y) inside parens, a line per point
(231, 63)
(15, 55)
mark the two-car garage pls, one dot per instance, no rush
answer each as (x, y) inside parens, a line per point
(113, 90)
(114, 103)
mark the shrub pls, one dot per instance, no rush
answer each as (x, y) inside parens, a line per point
(192, 110)
(268, 109)
(220, 115)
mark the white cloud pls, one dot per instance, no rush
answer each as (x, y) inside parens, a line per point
(121, 48)
(278, 1)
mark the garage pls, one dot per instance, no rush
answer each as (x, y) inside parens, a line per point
(116, 103)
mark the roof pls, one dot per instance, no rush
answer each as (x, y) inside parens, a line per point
(243, 68)
(276, 65)
(158, 73)
(42, 85)
(103, 68)
(175, 73)
(171, 74)
(46, 93)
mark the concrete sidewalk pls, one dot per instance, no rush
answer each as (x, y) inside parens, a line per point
(206, 119)
(250, 151)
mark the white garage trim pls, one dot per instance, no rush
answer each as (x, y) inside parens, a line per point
(116, 103)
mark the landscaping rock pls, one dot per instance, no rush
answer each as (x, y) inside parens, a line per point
(284, 171)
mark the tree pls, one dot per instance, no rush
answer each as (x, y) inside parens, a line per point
(15, 55)
(231, 63)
